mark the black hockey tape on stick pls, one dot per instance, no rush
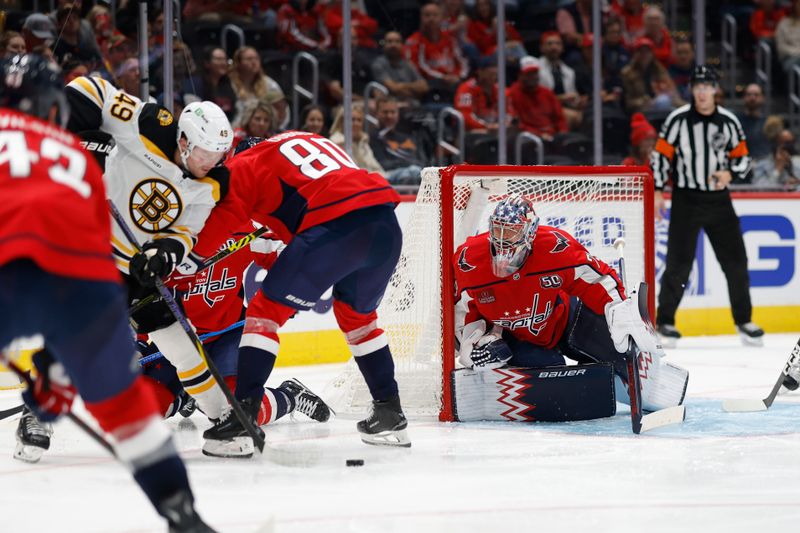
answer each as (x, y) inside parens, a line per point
(97, 437)
(198, 344)
(11, 412)
(749, 405)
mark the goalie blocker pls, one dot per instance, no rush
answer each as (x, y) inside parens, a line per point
(549, 394)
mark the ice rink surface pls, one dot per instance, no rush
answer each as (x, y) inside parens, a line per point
(716, 472)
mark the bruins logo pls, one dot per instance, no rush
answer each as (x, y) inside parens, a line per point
(154, 205)
(164, 117)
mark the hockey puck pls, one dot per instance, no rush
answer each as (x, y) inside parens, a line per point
(354, 462)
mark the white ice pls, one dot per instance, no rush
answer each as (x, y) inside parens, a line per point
(716, 472)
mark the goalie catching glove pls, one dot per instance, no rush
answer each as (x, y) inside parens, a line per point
(624, 321)
(52, 392)
(483, 351)
(156, 260)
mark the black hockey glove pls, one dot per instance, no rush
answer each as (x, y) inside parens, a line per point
(493, 354)
(156, 260)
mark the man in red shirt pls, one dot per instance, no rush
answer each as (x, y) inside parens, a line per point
(436, 54)
(536, 108)
(341, 231)
(476, 98)
(58, 279)
(531, 295)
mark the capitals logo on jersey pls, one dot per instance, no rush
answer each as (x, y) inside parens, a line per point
(210, 288)
(530, 319)
(154, 205)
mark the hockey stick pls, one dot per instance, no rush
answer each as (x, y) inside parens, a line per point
(198, 344)
(11, 412)
(748, 405)
(157, 355)
(216, 258)
(641, 422)
(97, 437)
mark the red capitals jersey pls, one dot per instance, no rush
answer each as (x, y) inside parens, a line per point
(214, 298)
(289, 183)
(53, 206)
(533, 303)
(478, 108)
(437, 59)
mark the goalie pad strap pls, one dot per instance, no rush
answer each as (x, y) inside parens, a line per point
(550, 394)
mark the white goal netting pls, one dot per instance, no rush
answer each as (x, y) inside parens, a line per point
(595, 205)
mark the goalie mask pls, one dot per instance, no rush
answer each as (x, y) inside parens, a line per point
(512, 228)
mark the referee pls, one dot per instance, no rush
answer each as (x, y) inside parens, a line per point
(702, 148)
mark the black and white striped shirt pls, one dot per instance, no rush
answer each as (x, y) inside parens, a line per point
(692, 146)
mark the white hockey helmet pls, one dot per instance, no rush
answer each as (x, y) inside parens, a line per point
(512, 228)
(205, 126)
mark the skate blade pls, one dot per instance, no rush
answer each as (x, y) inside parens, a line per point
(27, 453)
(388, 438)
(237, 448)
(752, 341)
(668, 343)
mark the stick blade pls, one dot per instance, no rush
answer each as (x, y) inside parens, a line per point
(742, 405)
(663, 417)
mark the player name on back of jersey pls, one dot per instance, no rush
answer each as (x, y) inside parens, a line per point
(18, 121)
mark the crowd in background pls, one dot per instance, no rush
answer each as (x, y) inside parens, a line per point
(429, 55)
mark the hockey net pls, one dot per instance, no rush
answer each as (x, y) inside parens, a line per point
(594, 204)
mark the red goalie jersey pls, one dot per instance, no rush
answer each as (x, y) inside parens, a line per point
(533, 303)
(53, 206)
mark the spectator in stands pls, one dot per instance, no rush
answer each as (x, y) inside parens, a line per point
(362, 153)
(312, 119)
(128, 77)
(482, 30)
(250, 82)
(257, 120)
(647, 84)
(782, 168)
(643, 141)
(213, 83)
(219, 11)
(765, 19)
(455, 20)
(73, 69)
(397, 73)
(120, 48)
(655, 29)
(787, 38)
(560, 78)
(301, 27)
(11, 44)
(397, 152)
(38, 30)
(681, 68)
(72, 42)
(365, 26)
(753, 119)
(437, 55)
(99, 18)
(610, 88)
(573, 21)
(476, 98)
(536, 108)
(631, 14)
(615, 53)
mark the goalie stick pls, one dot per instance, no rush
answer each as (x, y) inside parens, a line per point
(641, 422)
(181, 318)
(749, 405)
(216, 258)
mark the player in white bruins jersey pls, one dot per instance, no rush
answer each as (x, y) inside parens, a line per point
(164, 175)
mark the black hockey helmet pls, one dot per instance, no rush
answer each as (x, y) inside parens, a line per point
(247, 143)
(704, 74)
(33, 85)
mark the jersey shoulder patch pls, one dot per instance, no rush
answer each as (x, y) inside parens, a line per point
(159, 126)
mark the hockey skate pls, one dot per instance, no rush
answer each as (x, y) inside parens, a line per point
(791, 378)
(307, 402)
(669, 335)
(33, 437)
(750, 334)
(179, 511)
(228, 437)
(386, 425)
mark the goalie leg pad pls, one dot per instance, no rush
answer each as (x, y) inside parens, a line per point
(588, 340)
(664, 388)
(552, 394)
